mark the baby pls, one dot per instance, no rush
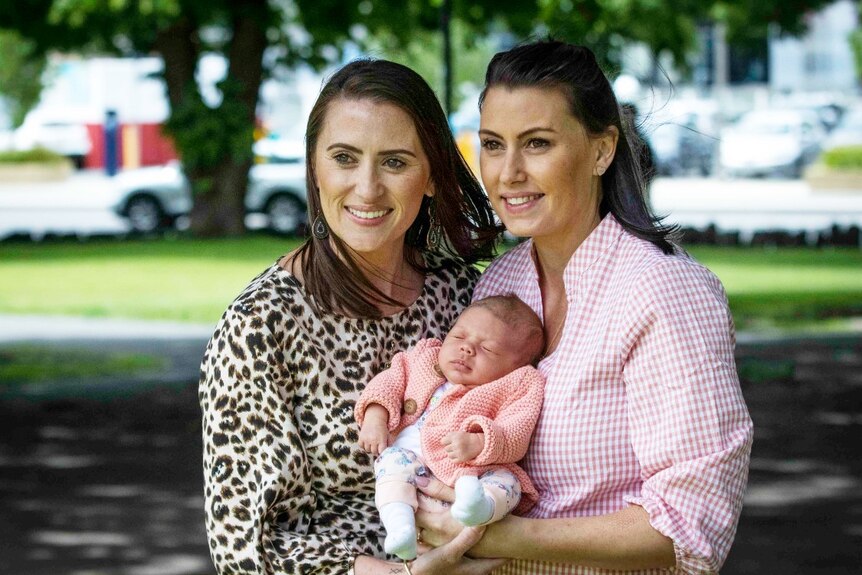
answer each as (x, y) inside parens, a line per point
(463, 409)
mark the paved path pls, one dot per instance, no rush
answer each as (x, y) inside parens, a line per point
(70, 329)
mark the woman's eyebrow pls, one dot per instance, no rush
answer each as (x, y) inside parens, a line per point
(523, 134)
(396, 151)
(344, 146)
(356, 150)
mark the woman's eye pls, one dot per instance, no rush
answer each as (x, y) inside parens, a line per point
(489, 144)
(341, 158)
(537, 143)
(394, 163)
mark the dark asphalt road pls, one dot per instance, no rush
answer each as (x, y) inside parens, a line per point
(113, 485)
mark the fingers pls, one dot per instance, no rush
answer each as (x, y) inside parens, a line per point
(374, 445)
(468, 537)
(456, 454)
(447, 439)
(436, 489)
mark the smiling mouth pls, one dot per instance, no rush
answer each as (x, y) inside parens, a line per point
(520, 201)
(366, 215)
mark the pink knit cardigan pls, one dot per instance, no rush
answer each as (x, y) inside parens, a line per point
(505, 410)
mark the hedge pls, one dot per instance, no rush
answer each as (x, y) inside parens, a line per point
(844, 158)
(36, 155)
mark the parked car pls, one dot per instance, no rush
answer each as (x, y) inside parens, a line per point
(770, 142)
(683, 148)
(848, 132)
(151, 199)
(683, 135)
(59, 135)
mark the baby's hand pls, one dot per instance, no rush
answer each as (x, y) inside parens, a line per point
(374, 433)
(373, 437)
(462, 446)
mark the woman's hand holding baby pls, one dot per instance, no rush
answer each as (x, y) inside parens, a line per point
(374, 433)
(462, 446)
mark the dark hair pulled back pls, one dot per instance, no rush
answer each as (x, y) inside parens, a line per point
(575, 71)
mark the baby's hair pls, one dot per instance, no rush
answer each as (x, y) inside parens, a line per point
(512, 310)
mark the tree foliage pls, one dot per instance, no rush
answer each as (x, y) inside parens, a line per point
(746, 19)
(253, 35)
(423, 53)
(21, 69)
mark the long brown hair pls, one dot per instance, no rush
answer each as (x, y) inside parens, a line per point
(330, 271)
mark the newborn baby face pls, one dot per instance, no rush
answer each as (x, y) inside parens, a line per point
(480, 348)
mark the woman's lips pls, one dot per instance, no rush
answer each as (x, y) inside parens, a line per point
(366, 216)
(521, 202)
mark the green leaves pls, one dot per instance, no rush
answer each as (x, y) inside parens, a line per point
(209, 136)
(21, 68)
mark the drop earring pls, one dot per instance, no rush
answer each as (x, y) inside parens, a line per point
(435, 232)
(319, 229)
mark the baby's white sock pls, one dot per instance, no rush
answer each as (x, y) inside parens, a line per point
(472, 506)
(400, 524)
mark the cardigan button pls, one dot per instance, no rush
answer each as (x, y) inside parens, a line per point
(410, 406)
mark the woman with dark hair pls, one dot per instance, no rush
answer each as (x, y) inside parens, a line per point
(397, 219)
(641, 452)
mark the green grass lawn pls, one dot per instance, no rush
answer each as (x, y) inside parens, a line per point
(194, 280)
(28, 364)
(790, 287)
(175, 279)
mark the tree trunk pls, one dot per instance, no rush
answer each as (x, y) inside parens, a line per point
(220, 211)
(219, 183)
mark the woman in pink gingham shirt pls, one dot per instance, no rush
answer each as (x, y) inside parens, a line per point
(641, 453)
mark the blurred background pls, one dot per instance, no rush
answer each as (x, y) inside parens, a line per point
(152, 163)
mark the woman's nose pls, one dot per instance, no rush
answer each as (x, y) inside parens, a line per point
(367, 183)
(513, 167)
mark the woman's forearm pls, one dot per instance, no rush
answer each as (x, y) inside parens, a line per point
(366, 565)
(624, 540)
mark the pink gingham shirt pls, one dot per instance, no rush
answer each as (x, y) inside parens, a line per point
(642, 400)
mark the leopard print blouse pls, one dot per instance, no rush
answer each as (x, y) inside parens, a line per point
(287, 488)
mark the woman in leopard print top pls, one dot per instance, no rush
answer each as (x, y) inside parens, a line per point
(287, 488)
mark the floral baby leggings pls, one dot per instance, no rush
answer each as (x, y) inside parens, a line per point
(396, 469)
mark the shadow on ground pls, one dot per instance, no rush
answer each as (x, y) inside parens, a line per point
(113, 486)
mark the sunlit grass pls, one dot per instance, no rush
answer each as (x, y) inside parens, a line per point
(184, 280)
(791, 287)
(194, 280)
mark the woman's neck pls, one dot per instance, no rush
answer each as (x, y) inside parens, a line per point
(554, 254)
(394, 277)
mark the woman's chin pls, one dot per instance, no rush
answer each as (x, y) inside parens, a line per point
(520, 230)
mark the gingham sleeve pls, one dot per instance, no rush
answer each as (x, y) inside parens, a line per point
(688, 422)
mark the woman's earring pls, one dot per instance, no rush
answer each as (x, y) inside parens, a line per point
(435, 231)
(600, 171)
(319, 229)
